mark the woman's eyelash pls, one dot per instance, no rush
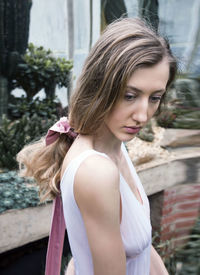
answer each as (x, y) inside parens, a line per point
(155, 98)
(130, 96)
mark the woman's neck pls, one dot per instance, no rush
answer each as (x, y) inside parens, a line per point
(104, 141)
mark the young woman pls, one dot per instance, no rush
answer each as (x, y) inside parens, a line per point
(122, 85)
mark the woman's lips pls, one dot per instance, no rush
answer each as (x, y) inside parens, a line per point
(132, 130)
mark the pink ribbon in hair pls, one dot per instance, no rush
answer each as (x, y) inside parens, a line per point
(60, 127)
(57, 233)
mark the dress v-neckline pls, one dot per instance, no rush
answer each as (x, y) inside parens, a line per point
(130, 167)
(142, 201)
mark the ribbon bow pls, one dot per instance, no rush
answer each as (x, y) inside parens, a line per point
(60, 127)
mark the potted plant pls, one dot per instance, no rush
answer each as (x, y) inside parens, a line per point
(40, 69)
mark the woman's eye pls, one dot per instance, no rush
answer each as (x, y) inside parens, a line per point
(129, 97)
(155, 99)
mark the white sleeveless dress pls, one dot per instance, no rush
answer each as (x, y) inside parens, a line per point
(135, 224)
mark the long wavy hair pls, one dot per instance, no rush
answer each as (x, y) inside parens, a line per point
(125, 45)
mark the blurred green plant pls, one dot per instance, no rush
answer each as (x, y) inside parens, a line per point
(20, 106)
(166, 118)
(34, 118)
(182, 108)
(164, 250)
(17, 192)
(179, 118)
(14, 135)
(189, 255)
(40, 69)
(146, 132)
(181, 260)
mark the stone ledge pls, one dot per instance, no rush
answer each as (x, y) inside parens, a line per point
(19, 227)
(180, 137)
(180, 170)
(174, 155)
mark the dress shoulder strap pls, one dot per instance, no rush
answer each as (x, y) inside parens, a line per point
(76, 162)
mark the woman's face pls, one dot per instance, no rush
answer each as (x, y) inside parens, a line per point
(140, 101)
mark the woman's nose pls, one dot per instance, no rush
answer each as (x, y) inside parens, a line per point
(141, 113)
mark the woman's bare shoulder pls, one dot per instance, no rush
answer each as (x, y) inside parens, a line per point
(97, 175)
(97, 167)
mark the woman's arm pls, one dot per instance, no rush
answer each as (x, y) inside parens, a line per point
(70, 268)
(96, 190)
(157, 266)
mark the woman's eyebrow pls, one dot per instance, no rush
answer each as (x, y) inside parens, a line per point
(135, 89)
